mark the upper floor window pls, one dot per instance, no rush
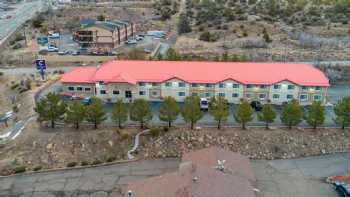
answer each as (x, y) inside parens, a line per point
(235, 85)
(235, 95)
(276, 87)
(87, 89)
(317, 88)
(194, 94)
(103, 92)
(155, 84)
(182, 84)
(262, 96)
(304, 88)
(262, 86)
(168, 84)
(303, 97)
(141, 93)
(291, 87)
(79, 89)
(276, 96)
(221, 85)
(182, 94)
(142, 83)
(209, 85)
(248, 95)
(317, 97)
(249, 86)
(116, 92)
(194, 85)
(207, 94)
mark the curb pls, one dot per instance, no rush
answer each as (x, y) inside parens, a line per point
(70, 168)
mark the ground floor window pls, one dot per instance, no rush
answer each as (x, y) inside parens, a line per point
(235, 95)
(103, 92)
(79, 89)
(128, 94)
(194, 94)
(71, 88)
(142, 93)
(303, 97)
(262, 96)
(317, 97)
(87, 89)
(115, 91)
(289, 97)
(207, 94)
(276, 96)
(221, 94)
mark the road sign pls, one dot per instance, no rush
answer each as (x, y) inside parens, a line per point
(40, 64)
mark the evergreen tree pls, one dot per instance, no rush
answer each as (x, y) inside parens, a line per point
(315, 116)
(95, 113)
(76, 113)
(219, 109)
(244, 113)
(342, 112)
(172, 55)
(191, 111)
(140, 111)
(266, 36)
(169, 110)
(51, 108)
(184, 24)
(292, 114)
(120, 113)
(267, 115)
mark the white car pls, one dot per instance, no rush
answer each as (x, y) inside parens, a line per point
(52, 49)
(204, 104)
(131, 42)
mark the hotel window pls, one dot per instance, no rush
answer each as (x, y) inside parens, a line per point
(262, 96)
(235, 95)
(207, 94)
(79, 89)
(249, 86)
(168, 84)
(71, 88)
(209, 85)
(221, 85)
(262, 86)
(303, 97)
(276, 87)
(289, 97)
(317, 88)
(154, 93)
(87, 89)
(142, 93)
(155, 84)
(276, 96)
(221, 94)
(304, 88)
(194, 85)
(291, 87)
(194, 94)
(115, 91)
(182, 84)
(182, 94)
(235, 85)
(248, 95)
(142, 83)
(103, 92)
(317, 97)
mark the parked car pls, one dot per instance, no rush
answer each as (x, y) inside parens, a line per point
(63, 52)
(86, 101)
(139, 38)
(43, 52)
(204, 104)
(147, 50)
(131, 42)
(342, 189)
(256, 105)
(75, 53)
(52, 49)
(53, 35)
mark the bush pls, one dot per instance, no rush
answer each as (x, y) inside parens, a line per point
(165, 129)
(84, 163)
(14, 86)
(154, 132)
(71, 164)
(96, 162)
(124, 136)
(209, 37)
(37, 168)
(111, 159)
(19, 169)
(1, 73)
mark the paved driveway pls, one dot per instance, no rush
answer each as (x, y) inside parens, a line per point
(300, 177)
(278, 178)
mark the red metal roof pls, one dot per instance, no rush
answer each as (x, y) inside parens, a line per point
(131, 71)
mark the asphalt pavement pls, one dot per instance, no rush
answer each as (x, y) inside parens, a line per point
(304, 177)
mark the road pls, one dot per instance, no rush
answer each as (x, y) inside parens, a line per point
(278, 178)
(23, 12)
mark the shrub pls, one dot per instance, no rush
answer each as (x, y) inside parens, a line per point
(37, 168)
(209, 37)
(111, 159)
(96, 162)
(14, 86)
(1, 73)
(71, 164)
(84, 163)
(19, 169)
(165, 129)
(154, 132)
(124, 135)
(201, 28)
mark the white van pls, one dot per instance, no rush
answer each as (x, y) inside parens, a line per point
(204, 104)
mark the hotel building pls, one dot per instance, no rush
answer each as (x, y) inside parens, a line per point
(153, 80)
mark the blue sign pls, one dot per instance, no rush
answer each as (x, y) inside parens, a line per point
(40, 64)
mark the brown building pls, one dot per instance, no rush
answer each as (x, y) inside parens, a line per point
(103, 34)
(210, 172)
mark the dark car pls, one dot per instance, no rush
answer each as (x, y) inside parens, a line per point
(256, 105)
(342, 190)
